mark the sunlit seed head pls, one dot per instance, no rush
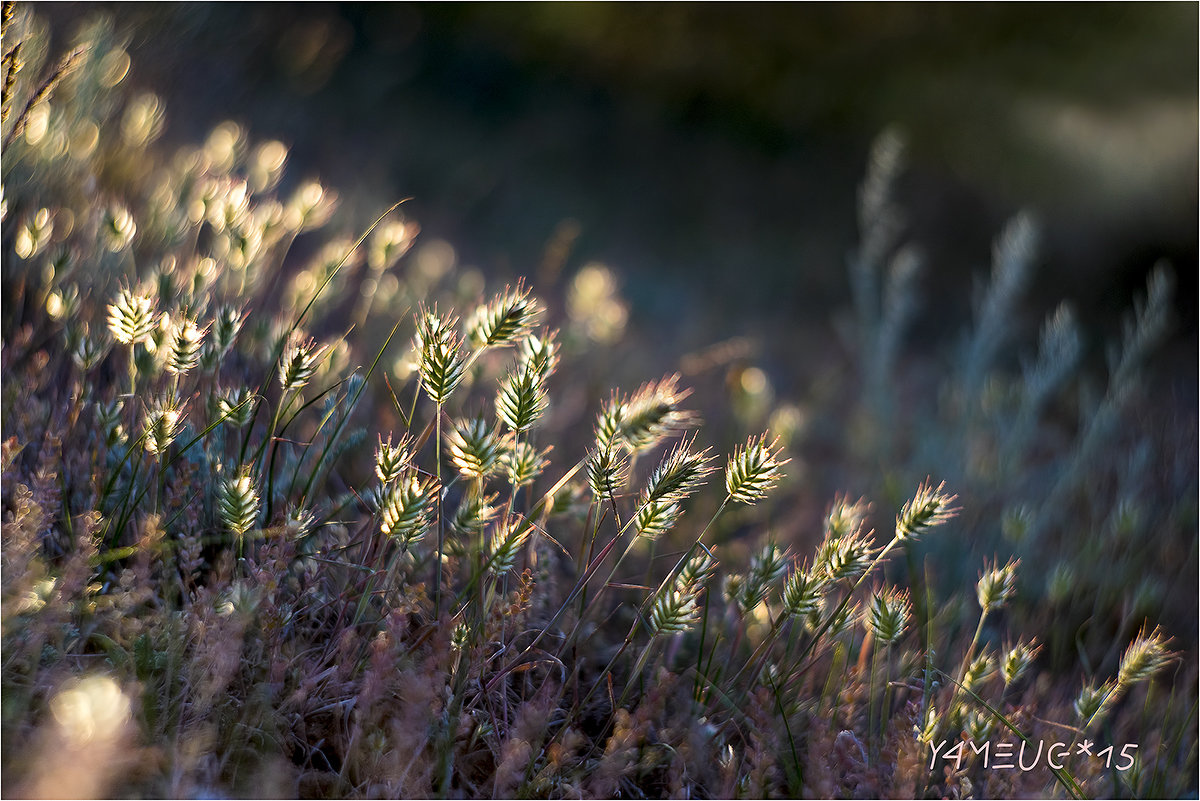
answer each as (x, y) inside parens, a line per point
(161, 425)
(930, 507)
(183, 346)
(846, 517)
(238, 502)
(1017, 661)
(607, 471)
(406, 509)
(651, 414)
(391, 460)
(655, 519)
(522, 399)
(440, 359)
(803, 592)
(299, 361)
(680, 474)
(888, 614)
(1144, 657)
(996, 585)
(753, 470)
(475, 447)
(1094, 702)
(506, 319)
(131, 318)
(522, 464)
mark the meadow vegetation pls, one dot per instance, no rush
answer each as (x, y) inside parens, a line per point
(297, 513)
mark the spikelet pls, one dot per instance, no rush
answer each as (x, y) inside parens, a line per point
(406, 509)
(440, 359)
(521, 400)
(655, 519)
(131, 318)
(753, 470)
(183, 346)
(539, 353)
(887, 616)
(996, 585)
(162, 423)
(89, 351)
(236, 406)
(607, 471)
(473, 513)
(508, 317)
(507, 541)
(674, 611)
(981, 668)
(1094, 702)
(928, 508)
(238, 503)
(675, 606)
(390, 460)
(226, 325)
(698, 570)
(645, 419)
(298, 363)
(475, 448)
(846, 557)
(523, 463)
(680, 474)
(1018, 659)
(1144, 657)
(846, 518)
(803, 591)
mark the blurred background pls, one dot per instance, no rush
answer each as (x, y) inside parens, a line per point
(710, 154)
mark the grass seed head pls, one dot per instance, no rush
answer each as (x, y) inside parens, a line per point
(238, 502)
(979, 671)
(655, 519)
(607, 471)
(888, 614)
(1144, 657)
(928, 508)
(753, 470)
(406, 509)
(391, 460)
(475, 447)
(236, 405)
(89, 351)
(523, 463)
(803, 591)
(299, 361)
(521, 400)
(996, 585)
(680, 474)
(674, 611)
(846, 517)
(698, 570)
(131, 318)
(183, 346)
(539, 353)
(473, 513)
(161, 425)
(1017, 661)
(507, 318)
(1094, 702)
(507, 541)
(650, 415)
(845, 558)
(440, 359)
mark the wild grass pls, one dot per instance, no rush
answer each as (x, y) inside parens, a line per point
(292, 518)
